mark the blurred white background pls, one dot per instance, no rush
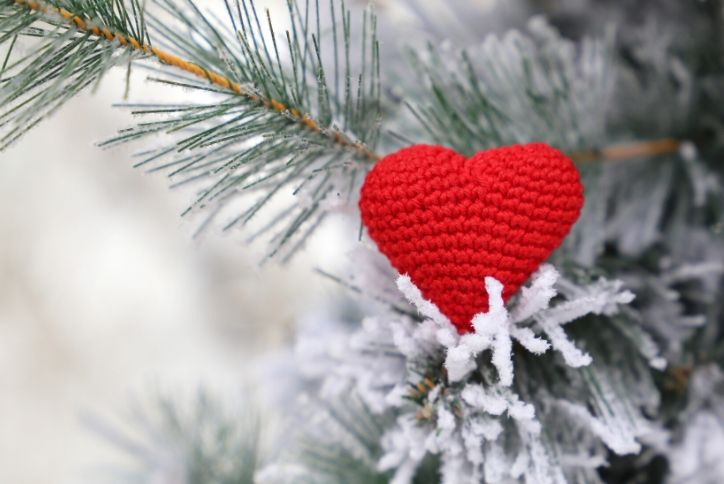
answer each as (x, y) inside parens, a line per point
(105, 296)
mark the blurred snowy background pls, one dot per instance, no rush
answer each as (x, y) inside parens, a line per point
(105, 296)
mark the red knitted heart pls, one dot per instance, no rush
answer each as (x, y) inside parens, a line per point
(448, 221)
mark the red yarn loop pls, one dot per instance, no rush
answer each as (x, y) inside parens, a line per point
(449, 222)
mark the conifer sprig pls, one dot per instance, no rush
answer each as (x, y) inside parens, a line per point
(59, 59)
(517, 88)
(286, 112)
(128, 29)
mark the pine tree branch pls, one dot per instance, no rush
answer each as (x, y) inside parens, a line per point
(214, 78)
(286, 123)
(206, 438)
(276, 124)
(514, 88)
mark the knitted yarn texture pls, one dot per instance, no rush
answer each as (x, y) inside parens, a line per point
(449, 221)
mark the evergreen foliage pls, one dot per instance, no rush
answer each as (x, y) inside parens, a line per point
(630, 394)
(197, 441)
(286, 113)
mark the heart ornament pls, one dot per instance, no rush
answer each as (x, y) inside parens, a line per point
(449, 221)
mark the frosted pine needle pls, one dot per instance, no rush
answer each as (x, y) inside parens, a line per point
(458, 396)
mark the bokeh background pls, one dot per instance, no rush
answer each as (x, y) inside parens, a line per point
(105, 296)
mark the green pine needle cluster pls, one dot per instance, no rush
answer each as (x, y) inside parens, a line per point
(513, 89)
(296, 111)
(59, 61)
(197, 441)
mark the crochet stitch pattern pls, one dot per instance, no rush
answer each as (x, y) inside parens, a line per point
(448, 222)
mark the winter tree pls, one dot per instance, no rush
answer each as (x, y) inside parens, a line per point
(597, 359)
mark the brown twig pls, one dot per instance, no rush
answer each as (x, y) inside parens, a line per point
(215, 78)
(611, 153)
(628, 151)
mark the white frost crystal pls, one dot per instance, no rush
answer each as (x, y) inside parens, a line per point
(468, 413)
(495, 329)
